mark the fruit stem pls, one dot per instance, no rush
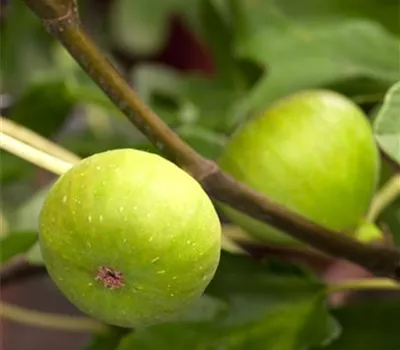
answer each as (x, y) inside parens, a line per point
(364, 284)
(33, 155)
(386, 195)
(31, 138)
(50, 320)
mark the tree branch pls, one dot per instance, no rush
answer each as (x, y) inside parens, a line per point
(62, 20)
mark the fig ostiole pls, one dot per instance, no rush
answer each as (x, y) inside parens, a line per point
(129, 238)
(312, 152)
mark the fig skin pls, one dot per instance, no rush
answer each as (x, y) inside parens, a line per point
(312, 152)
(129, 238)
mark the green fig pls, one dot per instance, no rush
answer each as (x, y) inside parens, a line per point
(312, 152)
(129, 238)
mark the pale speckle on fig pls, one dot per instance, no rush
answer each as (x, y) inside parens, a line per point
(155, 259)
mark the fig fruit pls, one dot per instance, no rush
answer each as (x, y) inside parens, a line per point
(129, 238)
(312, 152)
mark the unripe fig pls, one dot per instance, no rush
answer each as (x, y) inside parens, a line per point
(129, 238)
(312, 152)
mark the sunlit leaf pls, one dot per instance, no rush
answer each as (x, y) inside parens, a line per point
(265, 310)
(387, 123)
(301, 54)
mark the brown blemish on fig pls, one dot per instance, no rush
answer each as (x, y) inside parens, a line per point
(110, 278)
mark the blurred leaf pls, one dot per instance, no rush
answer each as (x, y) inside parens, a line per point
(24, 46)
(160, 87)
(3, 223)
(85, 143)
(34, 255)
(387, 123)
(13, 168)
(219, 36)
(368, 326)
(47, 101)
(179, 336)
(206, 142)
(189, 99)
(383, 11)
(211, 103)
(264, 311)
(81, 88)
(140, 26)
(16, 243)
(150, 79)
(206, 308)
(107, 341)
(264, 304)
(303, 54)
(26, 217)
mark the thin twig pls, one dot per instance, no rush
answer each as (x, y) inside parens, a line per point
(386, 195)
(33, 155)
(364, 284)
(61, 19)
(50, 320)
(33, 139)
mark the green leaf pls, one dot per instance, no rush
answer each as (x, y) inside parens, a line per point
(180, 100)
(47, 101)
(387, 123)
(264, 310)
(206, 142)
(160, 87)
(264, 304)
(206, 308)
(26, 217)
(212, 103)
(25, 47)
(16, 243)
(34, 255)
(13, 168)
(384, 12)
(106, 341)
(219, 35)
(368, 326)
(302, 53)
(140, 26)
(173, 336)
